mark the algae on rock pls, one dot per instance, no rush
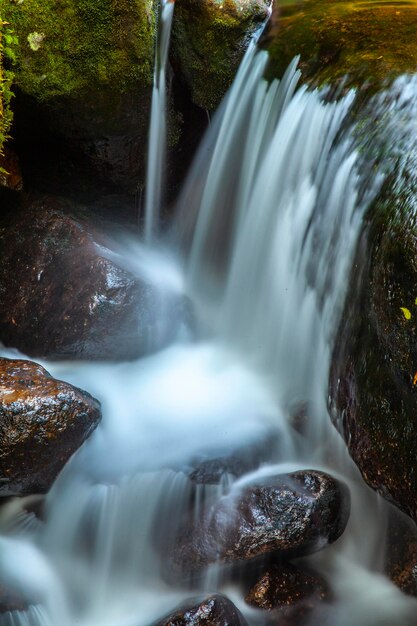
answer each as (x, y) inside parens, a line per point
(89, 65)
(209, 39)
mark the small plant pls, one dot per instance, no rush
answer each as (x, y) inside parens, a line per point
(8, 43)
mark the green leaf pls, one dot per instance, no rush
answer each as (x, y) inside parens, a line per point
(407, 313)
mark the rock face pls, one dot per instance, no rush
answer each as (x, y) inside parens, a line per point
(329, 37)
(373, 379)
(288, 595)
(42, 423)
(215, 610)
(61, 298)
(88, 65)
(292, 514)
(208, 42)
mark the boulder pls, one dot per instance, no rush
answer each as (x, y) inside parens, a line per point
(208, 42)
(289, 514)
(43, 421)
(88, 66)
(62, 296)
(340, 43)
(401, 552)
(216, 610)
(287, 595)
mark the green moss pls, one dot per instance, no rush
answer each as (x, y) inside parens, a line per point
(74, 47)
(345, 41)
(8, 42)
(208, 42)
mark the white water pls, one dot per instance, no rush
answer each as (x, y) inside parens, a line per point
(279, 168)
(157, 130)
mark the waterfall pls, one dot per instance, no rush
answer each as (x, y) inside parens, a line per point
(270, 216)
(157, 129)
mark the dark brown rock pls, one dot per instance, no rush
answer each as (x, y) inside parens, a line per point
(216, 610)
(42, 423)
(10, 173)
(61, 297)
(401, 553)
(290, 514)
(288, 594)
(11, 601)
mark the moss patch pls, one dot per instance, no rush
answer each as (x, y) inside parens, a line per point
(69, 47)
(363, 41)
(208, 41)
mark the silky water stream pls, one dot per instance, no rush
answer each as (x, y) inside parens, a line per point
(270, 216)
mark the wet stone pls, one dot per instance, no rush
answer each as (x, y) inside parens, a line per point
(43, 421)
(287, 594)
(11, 601)
(216, 610)
(289, 515)
(62, 296)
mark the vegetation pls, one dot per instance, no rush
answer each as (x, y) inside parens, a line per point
(8, 43)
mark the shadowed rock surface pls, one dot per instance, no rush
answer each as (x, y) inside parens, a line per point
(208, 42)
(43, 421)
(289, 514)
(61, 297)
(288, 594)
(216, 610)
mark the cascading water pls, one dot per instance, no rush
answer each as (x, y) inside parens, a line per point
(157, 131)
(271, 212)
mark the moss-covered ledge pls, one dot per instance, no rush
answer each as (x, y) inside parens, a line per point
(353, 42)
(89, 65)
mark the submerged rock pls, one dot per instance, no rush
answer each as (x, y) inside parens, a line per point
(216, 610)
(88, 66)
(43, 421)
(61, 297)
(11, 601)
(208, 43)
(289, 514)
(287, 595)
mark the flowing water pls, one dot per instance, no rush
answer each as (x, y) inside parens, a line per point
(270, 216)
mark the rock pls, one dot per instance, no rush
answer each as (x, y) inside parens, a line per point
(10, 173)
(208, 42)
(61, 297)
(210, 471)
(216, 610)
(401, 553)
(288, 595)
(289, 514)
(11, 601)
(43, 421)
(353, 44)
(89, 67)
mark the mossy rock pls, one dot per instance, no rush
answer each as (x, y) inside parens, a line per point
(209, 39)
(349, 42)
(373, 380)
(89, 65)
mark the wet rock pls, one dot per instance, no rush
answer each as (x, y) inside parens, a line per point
(236, 463)
(62, 297)
(289, 514)
(88, 67)
(10, 173)
(344, 43)
(11, 601)
(216, 610)
(401, 552)
(288, 595)
(208, 42)
(43, 421)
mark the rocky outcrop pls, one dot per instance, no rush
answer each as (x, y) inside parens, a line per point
(287, 595)
(208, 43)
(88, 66)
(290, 514)
(43, 421)
(216, 610)
(354, 44)
(61, 297)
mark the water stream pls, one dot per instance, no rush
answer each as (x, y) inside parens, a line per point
(270, 216)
